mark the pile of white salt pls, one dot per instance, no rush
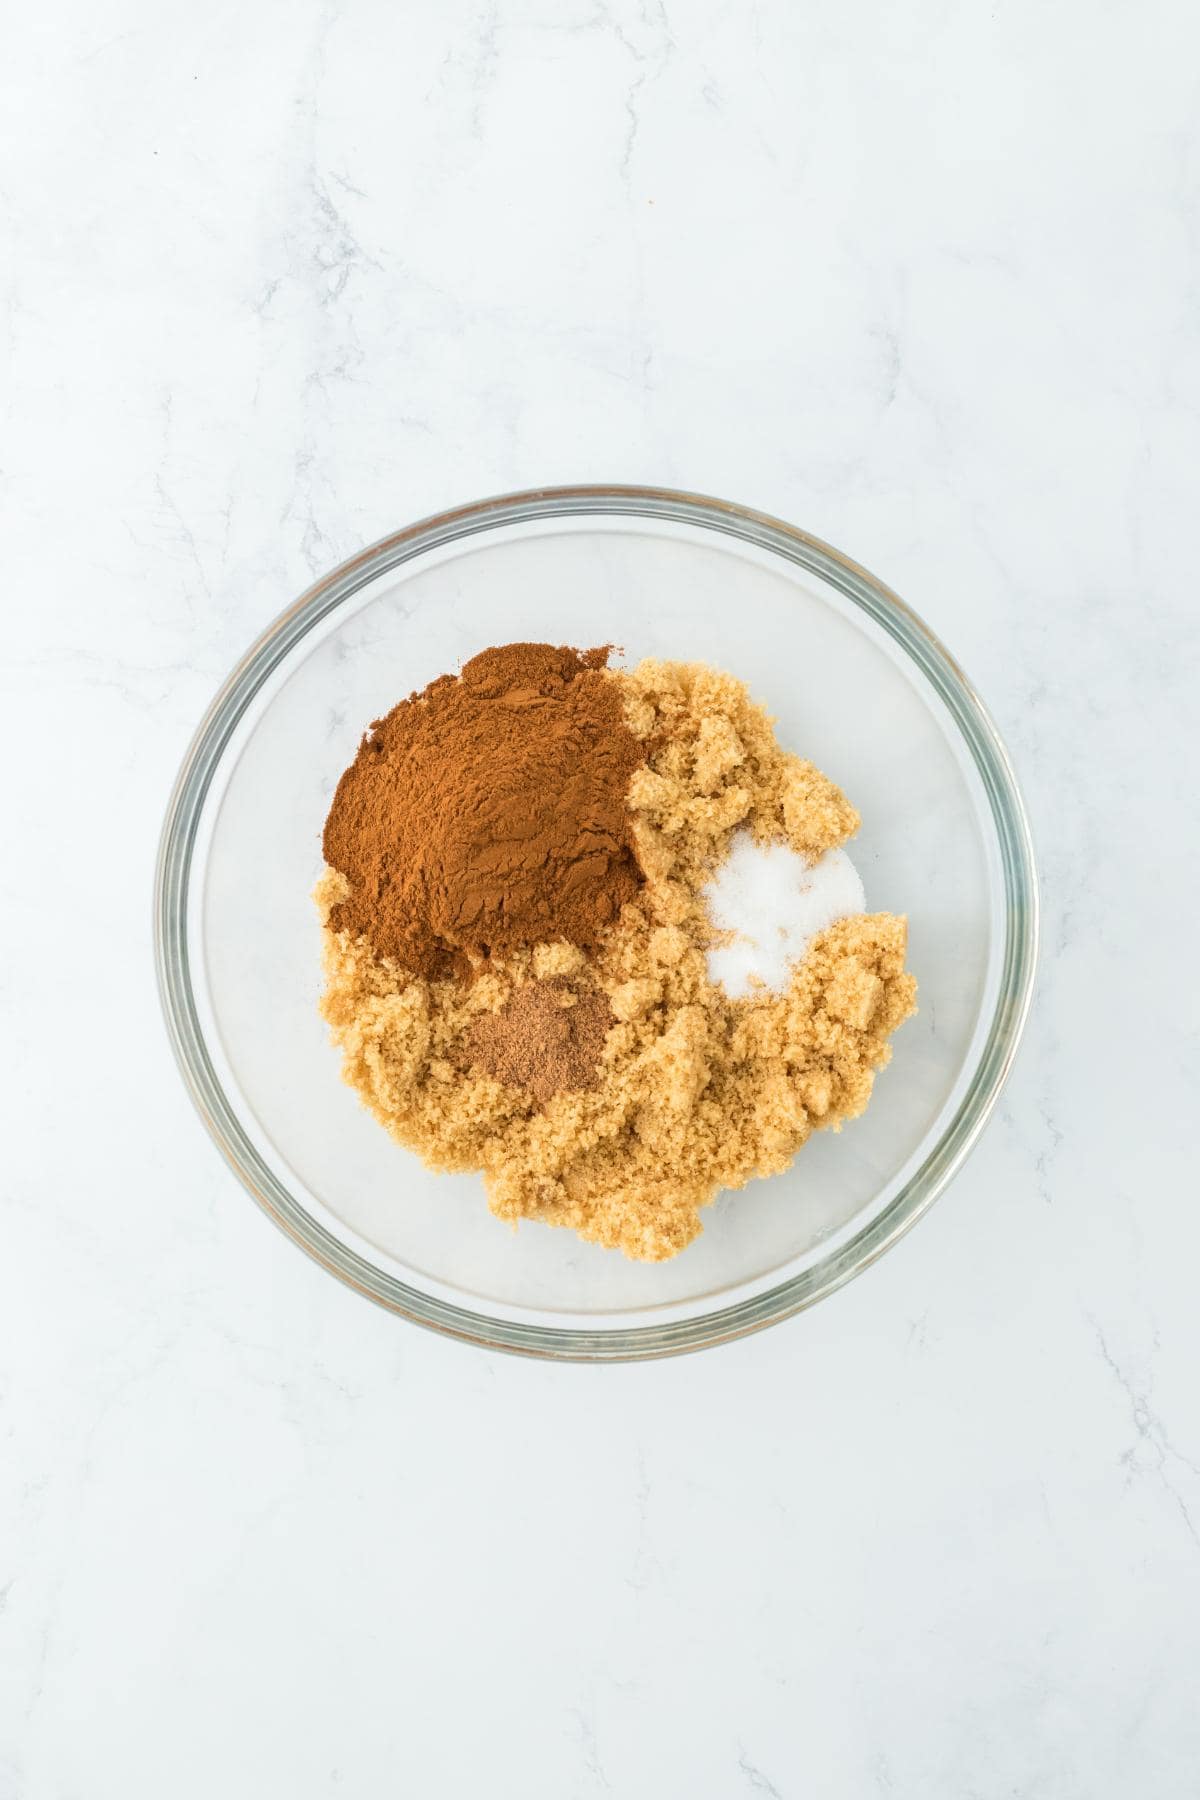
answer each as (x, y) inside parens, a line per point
(774, 902)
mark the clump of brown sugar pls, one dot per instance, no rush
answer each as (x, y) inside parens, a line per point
(487, 812)
(546, 1038)
(694, 1091)
(715, 764)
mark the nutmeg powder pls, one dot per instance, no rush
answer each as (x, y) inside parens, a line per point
(488, 813)
(547, 1038)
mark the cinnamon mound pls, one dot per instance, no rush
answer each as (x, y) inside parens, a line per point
(488, 813)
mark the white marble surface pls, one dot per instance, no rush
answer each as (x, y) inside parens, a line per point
(278, 278)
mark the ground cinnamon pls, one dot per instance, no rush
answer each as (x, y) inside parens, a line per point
(488, 813)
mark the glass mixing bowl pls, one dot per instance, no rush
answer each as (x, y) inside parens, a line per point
(856, 682)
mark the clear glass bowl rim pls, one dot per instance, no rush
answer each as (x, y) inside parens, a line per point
(1018, 965)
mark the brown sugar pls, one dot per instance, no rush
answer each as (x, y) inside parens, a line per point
(691, 1091)
(546, 1039)
(487, 813)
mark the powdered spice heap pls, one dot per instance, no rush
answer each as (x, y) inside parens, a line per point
(545, 1039)
(488, 812)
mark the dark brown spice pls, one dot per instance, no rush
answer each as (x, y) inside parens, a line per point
(487, 813)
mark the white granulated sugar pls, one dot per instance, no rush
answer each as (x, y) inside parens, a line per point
(776, 902)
